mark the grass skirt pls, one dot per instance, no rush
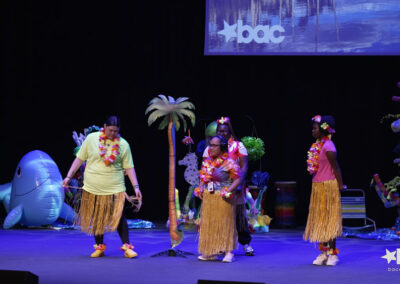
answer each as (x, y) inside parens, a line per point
(100, 213)
(217, 225)
(324, 221)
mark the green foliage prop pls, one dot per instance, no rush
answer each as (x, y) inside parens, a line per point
(254, 146)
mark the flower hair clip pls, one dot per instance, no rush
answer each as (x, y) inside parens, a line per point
(325, 126)
(223, 120)
(316, 119)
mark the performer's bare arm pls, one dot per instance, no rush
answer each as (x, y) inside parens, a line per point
(131, 173)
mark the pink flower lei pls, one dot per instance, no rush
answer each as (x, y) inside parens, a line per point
(207, 169)
(313, 155)
(103, 149)
(209, 165)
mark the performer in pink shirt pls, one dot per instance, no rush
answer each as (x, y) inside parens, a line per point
(237, 152)
(324, 223)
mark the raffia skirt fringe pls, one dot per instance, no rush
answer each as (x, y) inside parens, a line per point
(100, 213)
(324, 221)
(217, 225)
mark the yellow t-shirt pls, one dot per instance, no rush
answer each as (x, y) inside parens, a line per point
(101, 179)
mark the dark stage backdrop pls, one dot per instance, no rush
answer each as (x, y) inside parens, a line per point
(66, 65)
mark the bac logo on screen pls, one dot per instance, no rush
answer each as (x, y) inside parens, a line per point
(389, 256)
(246, 34)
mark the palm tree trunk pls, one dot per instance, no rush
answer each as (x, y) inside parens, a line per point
(171, 186)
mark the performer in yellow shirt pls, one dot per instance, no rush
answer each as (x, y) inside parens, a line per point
(108, 157)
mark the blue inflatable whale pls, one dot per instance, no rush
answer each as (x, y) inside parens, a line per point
(35, 196)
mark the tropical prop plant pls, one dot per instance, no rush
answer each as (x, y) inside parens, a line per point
(254, 146)
(172, 113)
(260, 179)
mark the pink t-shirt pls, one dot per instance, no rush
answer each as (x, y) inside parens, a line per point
(325, 171)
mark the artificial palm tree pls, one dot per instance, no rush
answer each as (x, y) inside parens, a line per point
(172, 111)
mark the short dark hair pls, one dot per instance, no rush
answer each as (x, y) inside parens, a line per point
(223, 143)
(113, 120)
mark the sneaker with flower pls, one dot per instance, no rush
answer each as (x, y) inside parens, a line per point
(129, 252)
(99, 250)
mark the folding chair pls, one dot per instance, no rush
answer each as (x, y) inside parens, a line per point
(353, 207)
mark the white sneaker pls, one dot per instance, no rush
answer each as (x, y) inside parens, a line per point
(229, 257)
(332, 260)
(248, 250)
(321, 259)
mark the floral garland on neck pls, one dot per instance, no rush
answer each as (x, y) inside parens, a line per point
(313, 155)
(103, 149)
(206, 173)
(209, 165)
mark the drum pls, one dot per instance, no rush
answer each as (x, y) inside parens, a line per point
(285, 204)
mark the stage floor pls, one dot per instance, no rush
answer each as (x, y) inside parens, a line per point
(281, 257)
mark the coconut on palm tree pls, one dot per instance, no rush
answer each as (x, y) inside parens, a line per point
(172, 113)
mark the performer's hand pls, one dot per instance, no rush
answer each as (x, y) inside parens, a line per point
(135, 201)
(219, 175)
(65, 182)
(138, 193)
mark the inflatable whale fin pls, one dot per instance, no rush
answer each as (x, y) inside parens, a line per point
(67, 213)
(13, 217)
(5, 194)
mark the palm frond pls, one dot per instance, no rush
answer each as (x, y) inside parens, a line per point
(181, 99)
(157, 101)
(154, 116)
(156, 105)
(183, 119)
(175, 119)
(165, 106)
(164, 123)
(164, 98)
(187, 105)
(189, 114)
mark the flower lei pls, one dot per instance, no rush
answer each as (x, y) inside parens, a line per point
(327, 249)
(209, 165)
(103, 149)
(313, 155)
(206, 172)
